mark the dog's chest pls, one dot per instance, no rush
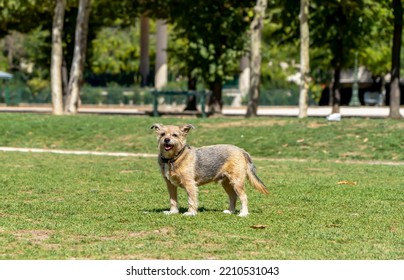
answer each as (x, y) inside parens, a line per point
(170, 174)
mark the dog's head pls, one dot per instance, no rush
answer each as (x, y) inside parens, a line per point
(171, 139)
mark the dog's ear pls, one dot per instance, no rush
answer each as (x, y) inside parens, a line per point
(186, 128)
(156, 126)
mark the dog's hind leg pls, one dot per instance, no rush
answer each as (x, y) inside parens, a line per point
(240, 191)
(232, 196)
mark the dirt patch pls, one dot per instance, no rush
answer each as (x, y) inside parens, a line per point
(125, 171)
(162, 231)
(124, 235)
(119, 235)
(33, 236)
(316, 124)
(350, 155)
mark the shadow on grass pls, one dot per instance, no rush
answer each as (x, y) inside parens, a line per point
(182, 210)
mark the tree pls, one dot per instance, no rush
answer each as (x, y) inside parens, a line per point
(213, 35)
(57, 57)
(80, 47)
(256, 31)
(343, 28)
(339, 55)
(395, 61)
(304, 57)
(26, 19)
(22, 15)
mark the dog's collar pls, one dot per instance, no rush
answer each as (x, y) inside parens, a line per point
(171, 160)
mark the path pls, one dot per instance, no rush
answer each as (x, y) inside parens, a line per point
(275, 111)
(146, 155)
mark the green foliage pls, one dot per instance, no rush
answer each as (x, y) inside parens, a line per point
(348, 26)
(23, 15)
(115, 94)
(375, 50)
(37, 48)
(29, 55)
(115, 50)
(210, 35)
(106, 13)
(37, 85)
(3, 62)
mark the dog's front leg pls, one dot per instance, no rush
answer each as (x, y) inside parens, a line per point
(172, 190)
(192, 192)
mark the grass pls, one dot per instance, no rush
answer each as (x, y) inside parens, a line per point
(351, 139)
(96, 207)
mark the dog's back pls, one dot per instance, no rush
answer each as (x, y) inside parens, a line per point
(213, 163)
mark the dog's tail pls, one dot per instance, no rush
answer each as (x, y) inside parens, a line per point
(252, 176)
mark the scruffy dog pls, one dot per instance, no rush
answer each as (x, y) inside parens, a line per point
(187, 167)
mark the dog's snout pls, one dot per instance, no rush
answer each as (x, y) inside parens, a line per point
(167, 140)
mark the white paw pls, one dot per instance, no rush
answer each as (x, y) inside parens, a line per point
(189, 214)
(228, 212)
(243, 214)
(171, 212)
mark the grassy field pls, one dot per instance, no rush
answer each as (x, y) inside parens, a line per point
(351, 139)
(99, 207)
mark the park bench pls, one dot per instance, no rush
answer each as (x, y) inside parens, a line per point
(198, 94)
(372, 98)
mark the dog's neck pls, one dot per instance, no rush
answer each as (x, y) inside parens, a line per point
(173, 159)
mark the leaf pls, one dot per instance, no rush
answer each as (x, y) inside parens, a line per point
(334, 225)
(347, 183)
(258, 226)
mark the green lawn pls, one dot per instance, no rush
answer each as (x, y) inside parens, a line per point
(99, 207)
(350, 139)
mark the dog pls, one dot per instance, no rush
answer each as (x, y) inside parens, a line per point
(188, 167)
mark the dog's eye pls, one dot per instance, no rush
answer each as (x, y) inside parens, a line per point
(162, 134)
(175, 135)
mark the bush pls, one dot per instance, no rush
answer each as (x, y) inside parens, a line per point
(114, 94)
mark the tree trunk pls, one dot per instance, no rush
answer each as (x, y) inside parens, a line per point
(215, 100)
(395, 63)
(191, 100)
(256, 30)
(65, 81)
(57, 57)
(244, 77)
(144, 51)
(336, 90)
(80, 46)
(160, 78)
(304, 57)
(338, 58)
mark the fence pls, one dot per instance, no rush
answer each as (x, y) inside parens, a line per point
(14, 96)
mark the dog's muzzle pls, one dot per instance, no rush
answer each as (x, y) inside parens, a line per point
(167, 145)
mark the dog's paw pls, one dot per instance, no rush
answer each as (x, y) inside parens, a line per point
(243, 214)
(228, 212)
(171, 212)
(189, 214)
